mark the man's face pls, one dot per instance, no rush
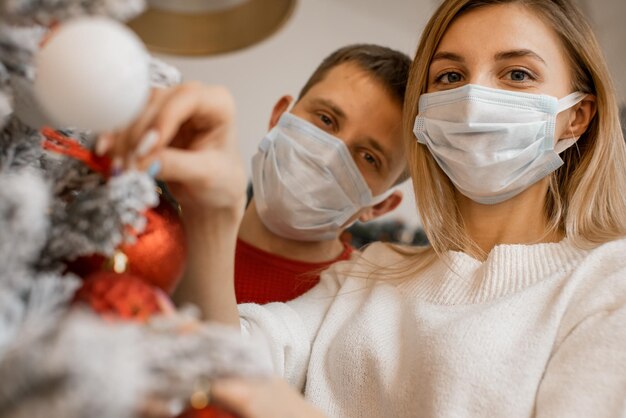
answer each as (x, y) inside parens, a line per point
(354, 107)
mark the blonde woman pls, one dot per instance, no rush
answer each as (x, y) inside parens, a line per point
(518, 308)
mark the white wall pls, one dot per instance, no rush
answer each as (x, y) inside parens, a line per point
(258, 76)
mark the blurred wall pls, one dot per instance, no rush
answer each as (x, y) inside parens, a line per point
(608, 17)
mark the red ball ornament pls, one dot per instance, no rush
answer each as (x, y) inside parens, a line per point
(87, 265)
(158, 256)
(207, 412)
(121, 296)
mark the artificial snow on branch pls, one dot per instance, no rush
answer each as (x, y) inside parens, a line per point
(56, 359)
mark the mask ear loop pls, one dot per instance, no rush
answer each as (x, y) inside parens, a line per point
(565, 103)
(571, 131)
(579, 98)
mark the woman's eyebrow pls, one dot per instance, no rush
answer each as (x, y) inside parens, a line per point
(518, 53)
(451, 56)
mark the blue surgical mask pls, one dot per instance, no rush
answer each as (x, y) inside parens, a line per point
(492, 144)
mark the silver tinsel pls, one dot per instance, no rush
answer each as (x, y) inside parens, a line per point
(94, 221)
(55, 360)
(47, 11)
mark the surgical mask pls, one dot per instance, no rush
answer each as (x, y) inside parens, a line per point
(306, 183)
(492, 144)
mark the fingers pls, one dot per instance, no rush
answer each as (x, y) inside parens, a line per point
(177, 165)
(208, 107)
(202, 107)
(138, 134)
(186, 136)
(189, 164)
(164, 302)
(118, 143)
(235, 395)
(257, 399)
(155, 407)
(205, 179)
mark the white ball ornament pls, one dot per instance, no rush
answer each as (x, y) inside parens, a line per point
(92, 74)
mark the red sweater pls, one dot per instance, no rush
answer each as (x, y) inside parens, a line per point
(262, 277)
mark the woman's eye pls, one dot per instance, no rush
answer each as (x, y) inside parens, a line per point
(449, 78)
(520, 76)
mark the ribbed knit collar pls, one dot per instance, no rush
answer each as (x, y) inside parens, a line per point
(461, 279)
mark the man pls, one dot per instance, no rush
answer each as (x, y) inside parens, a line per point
(326, 162)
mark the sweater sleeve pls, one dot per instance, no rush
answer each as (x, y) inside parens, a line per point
(289, 329)
(586, 375)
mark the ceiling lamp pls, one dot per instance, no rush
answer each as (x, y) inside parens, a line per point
(207, 27)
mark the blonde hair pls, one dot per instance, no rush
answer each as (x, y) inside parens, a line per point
(585, 196)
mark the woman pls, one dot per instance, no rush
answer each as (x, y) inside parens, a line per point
(518, 308)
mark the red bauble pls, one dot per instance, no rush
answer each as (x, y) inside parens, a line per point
(208, 412)
(158, 256)
(121, 296)
(160, 253)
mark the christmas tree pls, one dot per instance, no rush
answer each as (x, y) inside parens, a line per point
(57, 360)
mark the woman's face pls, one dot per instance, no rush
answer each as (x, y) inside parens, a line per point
(504, 47)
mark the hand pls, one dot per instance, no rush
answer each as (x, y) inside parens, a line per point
(272, 398)
(187, 134)
(153, 407)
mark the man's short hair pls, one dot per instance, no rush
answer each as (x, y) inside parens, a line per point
(388, 66)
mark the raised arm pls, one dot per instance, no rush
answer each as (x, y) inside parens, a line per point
(186, 137)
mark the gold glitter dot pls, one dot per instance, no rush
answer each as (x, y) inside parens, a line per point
(199, 399)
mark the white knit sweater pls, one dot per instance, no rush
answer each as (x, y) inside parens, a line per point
(535, 330)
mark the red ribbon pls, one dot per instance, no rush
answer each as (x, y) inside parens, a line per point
(57, 142)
